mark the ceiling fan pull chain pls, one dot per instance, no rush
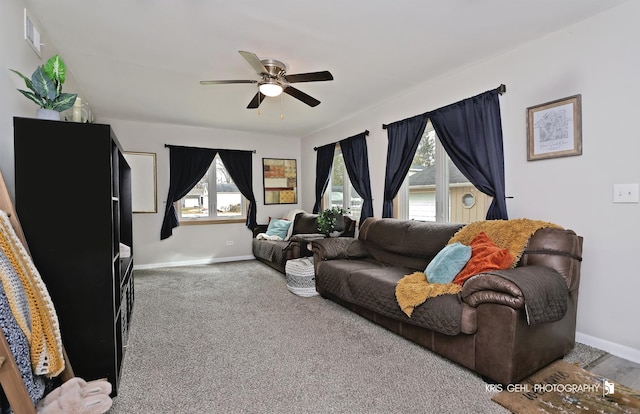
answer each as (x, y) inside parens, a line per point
(281, 109)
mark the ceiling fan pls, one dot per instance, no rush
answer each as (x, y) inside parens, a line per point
(274, 80)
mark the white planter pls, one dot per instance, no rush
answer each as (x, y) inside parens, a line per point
(49, 114)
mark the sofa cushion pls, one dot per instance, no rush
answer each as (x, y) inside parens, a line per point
(448, 263)
(269, 250)
(485, 256)
(374, 289)
(332, 275)
(305, 223)
(357, 249)
(278, 228)
(372, 284)
(406, 243)
(291, 216)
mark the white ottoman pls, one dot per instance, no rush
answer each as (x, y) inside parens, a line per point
(301, 277)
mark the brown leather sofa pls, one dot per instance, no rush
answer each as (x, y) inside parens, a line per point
(275, 253)
(485, 326)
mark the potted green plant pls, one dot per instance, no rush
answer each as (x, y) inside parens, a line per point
(45, 89)
(331, 220)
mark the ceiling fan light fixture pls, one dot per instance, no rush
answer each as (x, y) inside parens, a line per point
(270, 88)
(274, 80)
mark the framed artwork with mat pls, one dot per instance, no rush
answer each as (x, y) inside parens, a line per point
(280, 181)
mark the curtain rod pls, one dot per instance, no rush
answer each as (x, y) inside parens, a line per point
(366, 133)
(500, 89)
(183, 146)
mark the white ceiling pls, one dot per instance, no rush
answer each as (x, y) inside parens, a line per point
(143, 59)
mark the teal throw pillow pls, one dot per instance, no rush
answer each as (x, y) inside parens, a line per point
(448, 263)
(278, 228)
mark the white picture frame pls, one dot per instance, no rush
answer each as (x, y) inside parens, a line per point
(144, 197)
(554, 129)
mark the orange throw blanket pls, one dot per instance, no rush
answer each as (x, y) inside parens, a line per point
(513, 235)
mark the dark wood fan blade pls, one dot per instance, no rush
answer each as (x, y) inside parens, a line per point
(256, 101)
(254, 61)
(309, 77)
(225, 82)
(298, 94)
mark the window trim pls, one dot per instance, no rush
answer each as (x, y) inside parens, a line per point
(346, 189)
(191, 221)
(195, 222)
(208, 220)
(401, 201)
(442, 184)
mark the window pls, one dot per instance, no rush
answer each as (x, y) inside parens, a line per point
(433, 193)
(214, 198)
(340, 192)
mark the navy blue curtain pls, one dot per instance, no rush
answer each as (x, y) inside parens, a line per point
(404, 137)
(324, 161)
(356, 161)
(471, 133)
(239, 165)
(187, 166)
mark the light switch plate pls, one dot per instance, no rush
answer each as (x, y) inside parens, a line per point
(625, 193)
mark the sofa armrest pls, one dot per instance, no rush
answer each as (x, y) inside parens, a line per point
(541, 290)
(491, 288)
(338, 248)
(349, 227)
(558, 249)
(301, 243)
(302, 237)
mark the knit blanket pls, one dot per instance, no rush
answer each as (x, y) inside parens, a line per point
(414, 289)
(513, 235)
(19, 347)
(30, 303)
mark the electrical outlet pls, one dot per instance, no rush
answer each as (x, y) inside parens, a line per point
(229, 242)
(625, 193)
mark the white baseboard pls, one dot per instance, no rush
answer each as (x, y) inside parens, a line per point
(622, 351)
(193, 262)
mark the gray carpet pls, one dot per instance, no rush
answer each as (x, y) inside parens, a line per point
(230, 338)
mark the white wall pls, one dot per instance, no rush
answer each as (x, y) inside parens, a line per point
(16, 54)
(596, 58)
(198, 243)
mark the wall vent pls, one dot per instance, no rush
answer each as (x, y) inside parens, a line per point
(31, 34)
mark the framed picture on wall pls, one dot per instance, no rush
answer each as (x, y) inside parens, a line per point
(280, 181)
(143, 181)
(554, 129)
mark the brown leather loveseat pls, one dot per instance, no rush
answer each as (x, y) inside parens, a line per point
(275, 253)
(485, 327)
